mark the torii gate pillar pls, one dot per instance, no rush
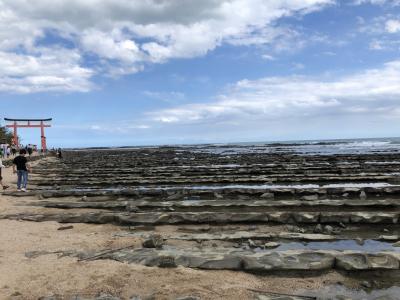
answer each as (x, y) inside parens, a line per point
(15, 134)
(27, 123)
(42, 137)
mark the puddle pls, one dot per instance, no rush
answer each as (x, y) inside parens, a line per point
(382, 162)
(340, 292)
(204, 166)
(276, 186)
(373, 184)
(233, 186)
(370, 246)
(282, 186)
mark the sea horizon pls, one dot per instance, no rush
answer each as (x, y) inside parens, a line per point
(248, 143)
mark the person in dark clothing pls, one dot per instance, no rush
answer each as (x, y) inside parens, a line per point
(59, 153)
(29, 148)
(21, 168)
(13, 150)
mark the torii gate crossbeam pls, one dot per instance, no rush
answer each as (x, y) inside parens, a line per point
(28, 123)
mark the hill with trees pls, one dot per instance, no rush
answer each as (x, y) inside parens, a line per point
(5, 135)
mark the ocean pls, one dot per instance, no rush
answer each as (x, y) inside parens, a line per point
(311, 147)
(304, 147)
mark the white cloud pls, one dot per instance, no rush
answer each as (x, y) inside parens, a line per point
(392, 26)
(122, 127)
(50, 70)
(296, 96)
(268, 57)
(140, 126)
(329, 53)
(111, 47)
(376, 45)
(125, 35)
(375, 26)
(382, 32)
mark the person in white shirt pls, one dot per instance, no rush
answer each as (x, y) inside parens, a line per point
(4, 148)
(1, 178)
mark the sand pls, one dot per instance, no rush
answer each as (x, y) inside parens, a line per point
(31, 278)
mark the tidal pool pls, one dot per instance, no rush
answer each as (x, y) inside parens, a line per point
(370, 246)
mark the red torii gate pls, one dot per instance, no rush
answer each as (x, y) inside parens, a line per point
(28, 123)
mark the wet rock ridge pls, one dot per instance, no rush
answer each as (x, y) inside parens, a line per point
(248, 210)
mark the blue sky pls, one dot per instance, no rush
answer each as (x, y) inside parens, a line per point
(145, 72)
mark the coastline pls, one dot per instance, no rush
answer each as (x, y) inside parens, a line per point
(49, 262)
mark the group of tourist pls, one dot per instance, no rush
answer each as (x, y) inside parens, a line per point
(20, 167)
(7, 150)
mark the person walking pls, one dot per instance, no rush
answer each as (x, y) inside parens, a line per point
(13, 150)
(59, 153)
(21, 167)
(1, 178)
(4, 147)
(30, 149)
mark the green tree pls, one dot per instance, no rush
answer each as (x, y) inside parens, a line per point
(5, 135)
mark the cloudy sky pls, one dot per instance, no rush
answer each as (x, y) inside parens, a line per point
(140, 72)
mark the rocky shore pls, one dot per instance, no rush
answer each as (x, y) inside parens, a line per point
(267, 214)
